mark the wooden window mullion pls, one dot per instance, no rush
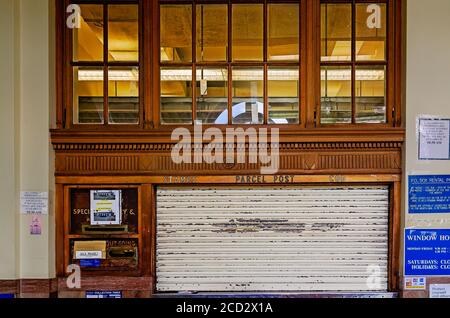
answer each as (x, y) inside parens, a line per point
(265, 61)
(229, 59)
(194, 60)
(105, 66)
(353, 54)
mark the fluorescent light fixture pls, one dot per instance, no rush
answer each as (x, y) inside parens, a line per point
(294, 57)
(345, 58)
(222, 75)
(113, 75)
(176, 75)
(283, 74)
(238, 75)
(346, 75)
(248, 74)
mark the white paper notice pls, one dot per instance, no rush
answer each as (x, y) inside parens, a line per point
(106, 207)
(434, 139)
(88, 255)
(33, 202)
(439, 291)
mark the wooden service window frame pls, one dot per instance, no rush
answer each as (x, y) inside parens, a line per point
(111, 74)
(385, 15)
(149, 64)
(231, 65)
(69, 231)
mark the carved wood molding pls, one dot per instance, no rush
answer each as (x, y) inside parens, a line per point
(344, 161)
(146, 147)
(149, 153)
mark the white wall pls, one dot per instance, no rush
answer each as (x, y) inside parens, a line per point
(26, 159)
(428, 87)
(9, 158)
(35, 251)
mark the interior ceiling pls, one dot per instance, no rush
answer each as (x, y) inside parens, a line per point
(178, 25)
(370, 42)
(122, 29)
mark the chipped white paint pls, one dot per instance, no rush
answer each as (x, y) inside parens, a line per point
(271, 239)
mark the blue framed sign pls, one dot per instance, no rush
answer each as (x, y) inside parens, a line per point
(104, 294)
(429, 194)
(427, 252)
(90, 263)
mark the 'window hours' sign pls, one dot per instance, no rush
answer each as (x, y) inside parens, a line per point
(427, 252)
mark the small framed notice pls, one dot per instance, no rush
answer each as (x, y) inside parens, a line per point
(33, 202)
(104, 294)
(434, 138)
(106, 207)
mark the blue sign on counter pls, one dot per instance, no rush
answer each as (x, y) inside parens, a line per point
(90, 263)
(103, 294)
(429, 194)
(7, 296)
(427, 252)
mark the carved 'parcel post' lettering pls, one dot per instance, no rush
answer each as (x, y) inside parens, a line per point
(265, 179)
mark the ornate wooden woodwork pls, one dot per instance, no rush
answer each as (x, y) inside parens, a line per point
(327, 153)
(117, 157)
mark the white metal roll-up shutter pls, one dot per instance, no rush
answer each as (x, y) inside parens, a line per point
(272, 239)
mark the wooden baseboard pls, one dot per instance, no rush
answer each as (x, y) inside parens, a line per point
(29, 288)
(131, 287)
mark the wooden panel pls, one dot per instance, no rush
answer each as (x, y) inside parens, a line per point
(321, 158)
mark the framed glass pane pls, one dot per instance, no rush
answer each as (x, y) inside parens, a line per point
(248, 95)
(88, 98)
(176, 33)
(283, 90)
(371, 32)
(212, 32)
(123, 33)
(248, 32)
(370, 92)
(212, 96)
(123, 97)
(336, 101)
(176, 95)
(336, 32)
(283, 32)
(88, 39)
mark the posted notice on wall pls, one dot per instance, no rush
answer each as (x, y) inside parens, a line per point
(429, 194)
(106, 207)
(427, 252)
(33, 202)
(439, 291)
(434, 138)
